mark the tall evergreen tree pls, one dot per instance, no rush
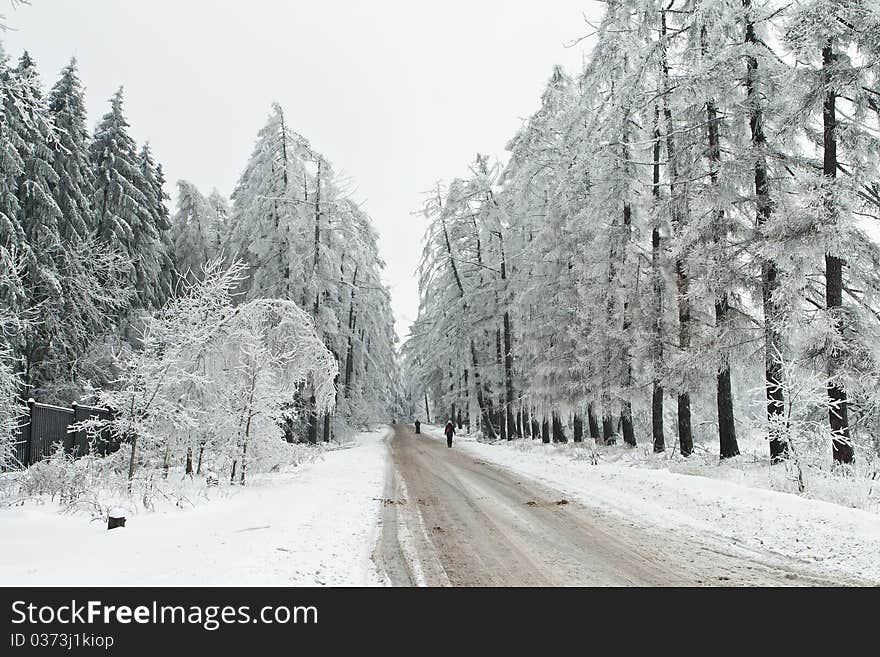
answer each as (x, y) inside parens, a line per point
(125, 203)
(75, 187)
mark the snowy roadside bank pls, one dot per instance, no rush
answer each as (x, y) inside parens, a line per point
(828, 536)
(313, 526)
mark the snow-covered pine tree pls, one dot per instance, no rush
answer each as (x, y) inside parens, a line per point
(836, 103)
(75, 188)
(124, 212)
(39, 216)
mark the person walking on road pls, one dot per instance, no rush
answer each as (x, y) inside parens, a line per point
(418, 427)
(450, 432)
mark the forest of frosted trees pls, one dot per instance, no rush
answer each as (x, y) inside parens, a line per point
(218, 333)
(681, 247)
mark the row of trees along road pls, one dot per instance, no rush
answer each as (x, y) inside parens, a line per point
(679, 244)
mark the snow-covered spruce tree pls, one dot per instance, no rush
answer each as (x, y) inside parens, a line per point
(153, 181)
(836, 103)
(38, 218)
(70, 283)
(195, 233)
(125, 204)
(11, 324)
(12, 236)
(75, 187)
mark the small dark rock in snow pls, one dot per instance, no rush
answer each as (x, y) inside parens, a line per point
(531, 503)
(113, 522)
(561, 502)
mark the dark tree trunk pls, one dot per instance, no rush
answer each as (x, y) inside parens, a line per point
(658, 438)
(679, 219)
(772, 337)
(349, 356)
(189, 461)
(578, 428)
(723, 389)
(545, 430)
(467, 401)
(326, 427)
(427, 409)
(527, 422)
(838, 414)
(593, 423)
(608, 437)
(558, 430)
(519, 423)
(313, 421)
(512, 427)
(686, 441)
(626, 423)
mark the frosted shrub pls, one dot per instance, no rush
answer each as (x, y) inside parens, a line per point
(61, 477)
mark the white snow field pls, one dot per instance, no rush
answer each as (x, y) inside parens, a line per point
(834, 538)
(315, 525)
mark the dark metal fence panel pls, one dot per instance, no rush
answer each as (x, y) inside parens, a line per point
(23, 440)
(105, 443)
(48, 426)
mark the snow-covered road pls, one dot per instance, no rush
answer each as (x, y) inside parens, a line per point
(460, 520)
(315, 525)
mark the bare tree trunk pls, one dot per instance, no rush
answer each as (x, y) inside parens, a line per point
(593, 423)
(608, 430)
(723, 388)
(131, 461)
(313, 421)
(578, 428)
(772, 335)
(508, 352)
(545, 430)
(558, 430)
(838, 414)
(679, 219)
(659, 439)
(189, 461)
(349, 357)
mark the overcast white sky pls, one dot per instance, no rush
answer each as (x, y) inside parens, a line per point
(398, 94)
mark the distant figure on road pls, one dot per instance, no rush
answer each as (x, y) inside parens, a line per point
(450, 432)
(418, 427)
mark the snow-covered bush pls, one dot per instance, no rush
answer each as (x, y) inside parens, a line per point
(211, 376)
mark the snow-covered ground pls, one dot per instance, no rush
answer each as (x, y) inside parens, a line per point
(316, 525)
(733, 500)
